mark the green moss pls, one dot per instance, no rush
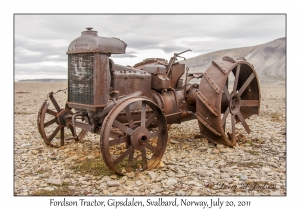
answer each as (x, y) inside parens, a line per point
(62, 191)
(275, 117)
(250, 142)
(41, 171)
(95, 167)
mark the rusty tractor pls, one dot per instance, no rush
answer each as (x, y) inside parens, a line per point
(131, 107)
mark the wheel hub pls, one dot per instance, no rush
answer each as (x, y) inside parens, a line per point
(234, 103)
(140, 137)
(61, 117)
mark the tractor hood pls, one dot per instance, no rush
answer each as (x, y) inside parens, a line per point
(90, 42)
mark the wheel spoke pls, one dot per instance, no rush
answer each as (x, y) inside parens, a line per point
(54, 102)
(54, 133)
(233, 128)
(72, 130)
(123, 156)
(226, 93)
(245, 85)
(242, 119)
(152, 149)
(130, 161)
(122, 127)
(144, 159)
(154, 134)
(237, 74)
(249, 102)
(62, 136)
(49, 123)
(118, 141)
(49, 111)
(151, 119)
(129, 116)
(143, 114)
(116, 133)
(225, 116)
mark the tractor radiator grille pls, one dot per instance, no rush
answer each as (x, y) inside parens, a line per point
(80, 78)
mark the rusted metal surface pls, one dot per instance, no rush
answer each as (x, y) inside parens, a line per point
(136, 138)
(89, 41)
(128, 80)
(52, 121)
(130, 107)
(238, 100)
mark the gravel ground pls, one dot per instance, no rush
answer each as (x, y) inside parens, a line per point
(190, 166)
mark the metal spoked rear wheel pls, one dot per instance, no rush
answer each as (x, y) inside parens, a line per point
(228, 94)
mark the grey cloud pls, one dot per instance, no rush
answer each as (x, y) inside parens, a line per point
(142, 32)
(127, 55)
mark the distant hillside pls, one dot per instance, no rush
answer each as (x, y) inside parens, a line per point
(44, 80)
(269, 59)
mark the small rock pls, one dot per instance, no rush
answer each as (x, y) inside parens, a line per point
(243, 177)
(209, 150)
(210, 164)
(180, 193)
(71, 187)
(201, 172)
(130, 174)
(112, 189)
(194, 193)
(54, 181)
(211, 145)
(215, 151)
(106, 178)
(34, 152)
(52, 157)
(192, 183)
(220, 146)
(225, 175)
(113, 183)
(90, 157)
(113, 177)
(202, 149)
(216, 170)
(138, 183)
(82, 179)
(157, 188)
(129, 183)
(171, 182)
(48, 188)
(152, 174)
(275, 193)
(225, 150)
(25, 145)
(174, 142)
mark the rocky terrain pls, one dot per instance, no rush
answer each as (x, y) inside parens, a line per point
(190, 166)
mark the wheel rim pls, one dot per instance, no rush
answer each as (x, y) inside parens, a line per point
(139, 142)
(233, 91)
(51, 124)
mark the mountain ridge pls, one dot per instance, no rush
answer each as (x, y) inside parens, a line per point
(268, 59)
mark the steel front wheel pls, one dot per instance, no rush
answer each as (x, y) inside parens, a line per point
(52, 126)
(133, 136)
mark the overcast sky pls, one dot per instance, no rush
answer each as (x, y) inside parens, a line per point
(41, 41)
